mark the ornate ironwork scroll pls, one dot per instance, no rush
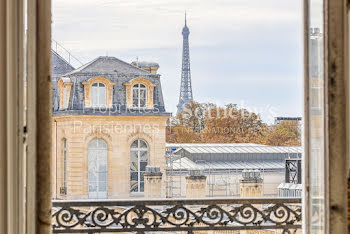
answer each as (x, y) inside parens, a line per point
(101, 216)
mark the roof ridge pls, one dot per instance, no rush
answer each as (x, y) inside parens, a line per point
(82, 67)
(111, 58)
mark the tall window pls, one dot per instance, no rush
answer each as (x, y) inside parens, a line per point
(98, 95)
(139, 95)
(97, 169)
(65, 163)
(138, 163)
(65, 104)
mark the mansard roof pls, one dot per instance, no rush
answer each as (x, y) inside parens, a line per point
(118, 72)
(109, 65)
(59, 65)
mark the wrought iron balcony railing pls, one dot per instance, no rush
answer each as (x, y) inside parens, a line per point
(140, 216)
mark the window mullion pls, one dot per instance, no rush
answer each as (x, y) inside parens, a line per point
(139, 96)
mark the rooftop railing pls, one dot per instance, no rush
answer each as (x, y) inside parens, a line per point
(172, 215)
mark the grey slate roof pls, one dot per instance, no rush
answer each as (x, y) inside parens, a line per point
(109, 65)
(118, 72)
(59, 67)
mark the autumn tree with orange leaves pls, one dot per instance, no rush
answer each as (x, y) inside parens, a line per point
(287, 133)
(208, 123)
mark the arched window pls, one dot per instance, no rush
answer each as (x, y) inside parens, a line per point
(97, 169)
(138, 163)
(64, 152)
(98, 95)
(139, 95)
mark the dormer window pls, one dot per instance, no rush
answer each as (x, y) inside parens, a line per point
(139, 96)
(64, 87)
(98, 95)
(139, 93)
(98, 92)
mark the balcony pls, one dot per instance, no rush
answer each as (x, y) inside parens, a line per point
(170, 215)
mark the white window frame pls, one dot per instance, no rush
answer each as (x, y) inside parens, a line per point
(138, 88)
(96, 93)
(335, 109)
(139, 150)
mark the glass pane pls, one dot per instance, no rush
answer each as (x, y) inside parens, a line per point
(316, 110)
(92, 187)
(94, 97)
(93, 144)
(97, 166)
(135, 97)
(102, 176)
(134, 144)
(102, 96)
(134, 182)
(133, 161)
(92, 161)
(142, 98)
(142, 86)
(102, 187)
(143, 156)
(142, 187)
(143, 144)
(102, 167)
(101, 144)
(143, 166)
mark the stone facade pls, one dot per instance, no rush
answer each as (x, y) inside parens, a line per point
(153, 182)
(117, 124)
(196, 184)
(251, 184)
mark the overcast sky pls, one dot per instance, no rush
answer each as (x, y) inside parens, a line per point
(243, 52)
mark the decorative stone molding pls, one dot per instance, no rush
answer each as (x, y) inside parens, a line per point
(150, 90)
(153, 182)
(109, 90)
(139, 135)
(196, 184)
(61, 84)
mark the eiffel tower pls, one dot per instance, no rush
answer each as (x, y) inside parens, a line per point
(186, 86)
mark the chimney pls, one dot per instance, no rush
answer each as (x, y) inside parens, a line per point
(147, 66)
(153, 182)
(251, 183)
(196, 184)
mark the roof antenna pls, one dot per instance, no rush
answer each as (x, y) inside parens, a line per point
(137, 58)
(185, 18)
